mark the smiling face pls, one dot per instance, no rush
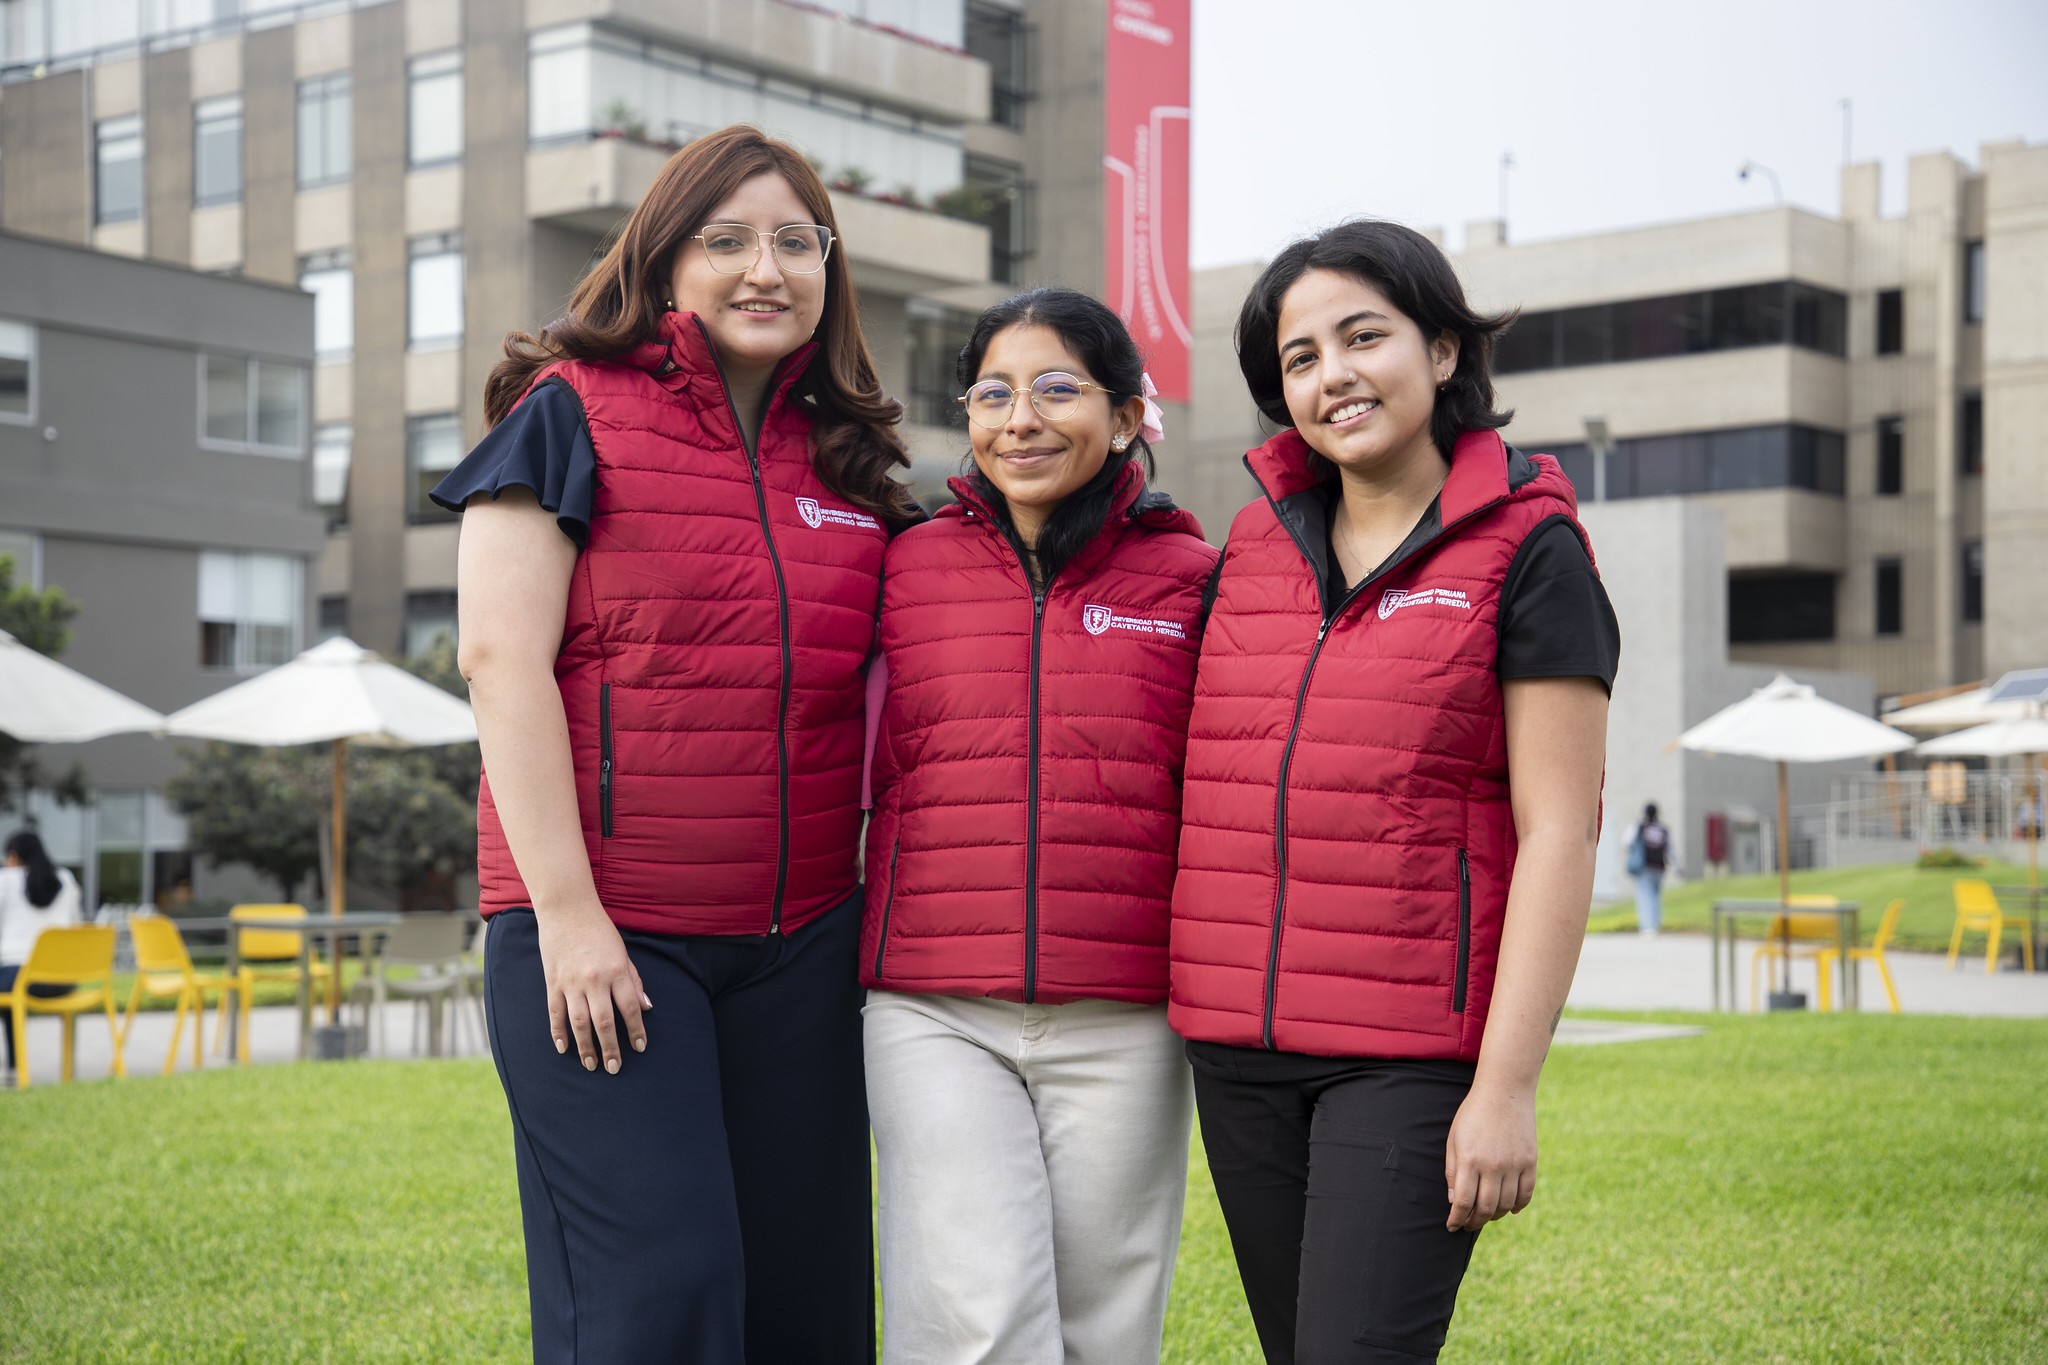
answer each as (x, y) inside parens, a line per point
(1359, 377)
(760, 315)
(1037, 464)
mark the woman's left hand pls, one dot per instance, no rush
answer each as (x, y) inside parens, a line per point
(1490, 1159)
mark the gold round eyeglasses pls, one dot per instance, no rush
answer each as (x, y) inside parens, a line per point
(732, 248)
(1054, 396)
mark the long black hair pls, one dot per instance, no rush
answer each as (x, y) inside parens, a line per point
(1416, 278)
(1099, 339)
(43, 882)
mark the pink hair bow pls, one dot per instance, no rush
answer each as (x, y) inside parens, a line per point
(1154, 426)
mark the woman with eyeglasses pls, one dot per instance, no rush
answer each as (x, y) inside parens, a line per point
(1030, 1104)
(670, 567)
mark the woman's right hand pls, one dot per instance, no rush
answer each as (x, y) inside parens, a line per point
(590, 977)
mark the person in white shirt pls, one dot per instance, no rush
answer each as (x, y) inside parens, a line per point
(34, 895)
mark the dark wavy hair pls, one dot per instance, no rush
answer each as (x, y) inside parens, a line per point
(43, 882)
(1416, 278)
(1099, 339)
(621, 302)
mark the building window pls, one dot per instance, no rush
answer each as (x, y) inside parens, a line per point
(325, 111)
(1973, 281)
(433, 110)
(333, 619)
(1973, 581)
(217, 151)
(1781, 608)
(995, 195)
(17, 371)
(117, 169)
(1890, 597)
(1970, 434)
(1891, 456)
(997, 36)
(1891, 321)
(328, 278)
(429, 619)
(1784, 312)
(332, 445)
(23, 550)
(252, 405)
(434, 291)
(248, 609)
(433, 446)
(936, 335)
(1733, 460)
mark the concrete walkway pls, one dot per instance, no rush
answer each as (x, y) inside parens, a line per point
(1675, 972)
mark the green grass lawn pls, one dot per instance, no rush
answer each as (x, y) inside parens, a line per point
(1794, 1187)
(1925, 923)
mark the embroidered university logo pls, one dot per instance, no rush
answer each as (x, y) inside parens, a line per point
(1393, 599)
(816, 514)
(1099, 620)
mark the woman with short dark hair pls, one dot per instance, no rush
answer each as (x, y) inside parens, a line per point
(35, 894)
(1392, 803)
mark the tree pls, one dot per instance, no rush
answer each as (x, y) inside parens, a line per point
(42, 621)
(262, 807)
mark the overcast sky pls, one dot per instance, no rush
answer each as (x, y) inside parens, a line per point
(1617, 112)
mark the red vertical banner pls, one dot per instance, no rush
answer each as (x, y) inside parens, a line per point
(1145, 183)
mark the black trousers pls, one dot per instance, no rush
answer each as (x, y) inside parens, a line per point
(42, 990)
(710, 1203)
(1330, 1172)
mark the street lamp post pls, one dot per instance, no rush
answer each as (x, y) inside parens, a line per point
(1601, 442)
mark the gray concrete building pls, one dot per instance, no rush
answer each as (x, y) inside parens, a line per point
(440, 172)
(155, 429)
(1863, 398)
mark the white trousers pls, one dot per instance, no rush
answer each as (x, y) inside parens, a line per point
(1033, 1162)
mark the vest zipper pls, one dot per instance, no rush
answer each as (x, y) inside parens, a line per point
(782, 622)
(888, 904)
(1280, 838)
(1031, 807)
(604, 759)
(1464, 933)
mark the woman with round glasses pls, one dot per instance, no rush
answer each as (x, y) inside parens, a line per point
(670, 566)
(1030, 1104)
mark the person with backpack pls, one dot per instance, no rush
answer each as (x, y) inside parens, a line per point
(1649, 845)
(1030, 1102)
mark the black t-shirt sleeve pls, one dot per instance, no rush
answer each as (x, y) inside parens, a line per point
(543, 444)
(1555, 619)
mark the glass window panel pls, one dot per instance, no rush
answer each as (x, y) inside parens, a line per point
(1577, 463)
(1738, 459)
(23, 549)
(280, 406)
(118, 170)
(331, 451)
(1666, 465)
(1891, 321)
(434, 312)
(1820, 319)
(429, 617)
(1586, 335)
(1973, 282)
(434, 109)
(433, 447)
(217, 644)
(1970, 433)
(326, 106)
(273, 589)
(217, 151)
(1751, 315)
(1891, 455)
(17, 360)
(1973, 581)
(227, 398)
(334, 309)
(558, 83)
(220, 589)
(1890, 597)
(1530, 344)
(1781, 608)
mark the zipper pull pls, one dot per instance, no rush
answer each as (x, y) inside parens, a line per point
(1322, 630)
(1038, 605)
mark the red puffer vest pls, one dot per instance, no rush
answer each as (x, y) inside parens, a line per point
(1027, 782)
(713, 658)
(1347, 841)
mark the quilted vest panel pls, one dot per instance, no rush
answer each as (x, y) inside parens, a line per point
(713, 658)
(1347, 839)
(1028, 779)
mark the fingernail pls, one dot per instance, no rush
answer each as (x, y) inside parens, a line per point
(590, 1064)
(561, 1046)
(611, 1064)
(639, 1045)
(645, 1003)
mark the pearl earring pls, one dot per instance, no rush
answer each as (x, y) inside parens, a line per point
(1119, 443)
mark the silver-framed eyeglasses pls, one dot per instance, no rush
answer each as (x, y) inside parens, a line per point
(732, 248)
(1055, 396)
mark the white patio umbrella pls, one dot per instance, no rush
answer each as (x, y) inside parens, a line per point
(2025, 737)
(334, 692)
(1973, 707)
(43, 702)
(1788, 722)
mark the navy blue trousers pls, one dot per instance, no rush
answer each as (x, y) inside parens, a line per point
(710, 1203)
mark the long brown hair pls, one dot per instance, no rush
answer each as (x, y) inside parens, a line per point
(623, 299)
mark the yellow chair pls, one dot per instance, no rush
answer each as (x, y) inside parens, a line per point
(260, 946)
(1978, 912)
(163, 970)
(72, 957)
(1801, 930)
(1874, 953)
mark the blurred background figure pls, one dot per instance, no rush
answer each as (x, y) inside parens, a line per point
(1648, 842)
(34, 895)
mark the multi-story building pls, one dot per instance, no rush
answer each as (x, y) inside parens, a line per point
(1864, 398)
(437, 173)
(154, 435)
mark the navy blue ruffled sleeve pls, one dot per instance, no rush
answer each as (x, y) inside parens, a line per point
(543, 444)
